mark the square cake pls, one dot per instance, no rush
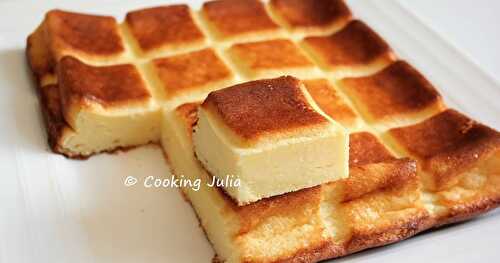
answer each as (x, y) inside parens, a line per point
(271, 136)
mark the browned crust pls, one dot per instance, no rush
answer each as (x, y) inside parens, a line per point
(465, 211)
(324, 250)
(232, 18)
(365, 148)
(447, 145)
(38, 54)
(189, 71)
(390, 234)
(264, 107)
(396, 90)
(330, 102)
(254, 214)
(272, 54)
(373, 177)
(88, 34)
(159, 26)
(355, 45)
(311, 13)
(108, 86)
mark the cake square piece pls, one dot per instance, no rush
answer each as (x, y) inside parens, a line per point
(88, 37)
(328, 99)
(106, 107)
(273, 58)
(356, 50)
(165, 28)
(447, 145)
(394, 96)
(191, 76)
(241, 20)
(380, 198)
(271, 136)
(312, 16)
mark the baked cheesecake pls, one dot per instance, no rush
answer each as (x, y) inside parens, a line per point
(269, 135)
(414, 164)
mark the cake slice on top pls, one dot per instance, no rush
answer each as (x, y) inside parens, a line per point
(271, 136)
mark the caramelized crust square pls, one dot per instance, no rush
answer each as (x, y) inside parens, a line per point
(165, 27)
(104, 87)
(195, 71)
(264, 107)
(328, 99)
(365, 148)
(230, 19)
(267, 59)
(392, 93)
(447, 145)
(353, 51)
(81, 35)
(312, 15)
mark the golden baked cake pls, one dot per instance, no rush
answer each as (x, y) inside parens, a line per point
(271, 136)
(414, 164)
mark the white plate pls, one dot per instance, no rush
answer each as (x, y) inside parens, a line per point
(57, 210)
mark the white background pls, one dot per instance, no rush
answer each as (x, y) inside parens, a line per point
(58, 210)
(471, 25)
